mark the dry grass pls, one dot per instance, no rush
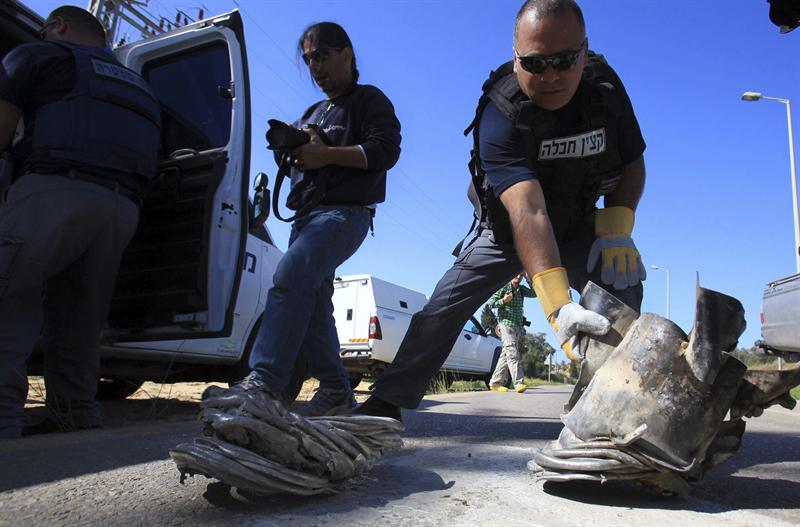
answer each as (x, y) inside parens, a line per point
(767, 366)
(438, 385)
(156, 401)
(179, 401)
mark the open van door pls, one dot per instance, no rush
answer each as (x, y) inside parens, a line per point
(18, 25)
(180, 275)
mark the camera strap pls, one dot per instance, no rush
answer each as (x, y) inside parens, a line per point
(284, 170)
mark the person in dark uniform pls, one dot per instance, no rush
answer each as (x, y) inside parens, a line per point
(554, 131)
(91, 134)
(349, 169)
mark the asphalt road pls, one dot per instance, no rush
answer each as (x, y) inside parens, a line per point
(463, 464)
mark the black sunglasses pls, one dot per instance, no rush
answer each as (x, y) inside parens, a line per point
(561, 61)
(318, 55)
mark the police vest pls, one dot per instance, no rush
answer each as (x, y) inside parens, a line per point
(109, 121)
(575, 163)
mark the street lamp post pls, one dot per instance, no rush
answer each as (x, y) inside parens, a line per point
(657, 268)
(755, 96)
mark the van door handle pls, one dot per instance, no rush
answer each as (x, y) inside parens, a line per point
(468, 337)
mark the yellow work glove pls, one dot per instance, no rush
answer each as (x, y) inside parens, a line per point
(621, 262)
(565, 316)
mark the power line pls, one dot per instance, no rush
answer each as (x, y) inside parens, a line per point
(417, 235)
(263, 61)
(272, 101)
(259, 115)
(280, 48)
(433, 206)
(442, 239)
(292, 88)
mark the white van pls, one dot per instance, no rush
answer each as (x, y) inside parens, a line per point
(780, 316)
(372, 316)
(194, 280)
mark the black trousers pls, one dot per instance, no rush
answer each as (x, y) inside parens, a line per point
(482, 268)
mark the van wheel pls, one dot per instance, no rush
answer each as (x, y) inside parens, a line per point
(497, 351)
(355, 379)
(117, 388)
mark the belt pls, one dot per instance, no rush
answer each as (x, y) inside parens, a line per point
(110, 184)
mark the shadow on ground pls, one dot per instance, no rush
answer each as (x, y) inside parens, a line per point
(126, 440)
(117, 414)
(395, 481)
(727, 487)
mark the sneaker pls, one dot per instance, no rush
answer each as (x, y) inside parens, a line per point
(327, 401)
(251, 387)
(378, 408)
(520, 388)
(498, 388)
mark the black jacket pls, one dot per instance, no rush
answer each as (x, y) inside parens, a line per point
(363, 116)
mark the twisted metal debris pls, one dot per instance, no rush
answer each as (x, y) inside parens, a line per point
(651, 402)
(253, 443)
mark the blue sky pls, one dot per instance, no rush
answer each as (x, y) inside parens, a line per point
(718, 195)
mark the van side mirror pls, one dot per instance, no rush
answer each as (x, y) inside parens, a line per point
(261, 200)
(488, 332)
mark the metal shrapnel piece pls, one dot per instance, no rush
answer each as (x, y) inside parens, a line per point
(651, 402)
(254, 444)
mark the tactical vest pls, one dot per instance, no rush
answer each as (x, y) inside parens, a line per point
(109, 121)
(575, 163)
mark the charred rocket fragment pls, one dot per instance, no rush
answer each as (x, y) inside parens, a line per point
(254, 444)
(651, 402)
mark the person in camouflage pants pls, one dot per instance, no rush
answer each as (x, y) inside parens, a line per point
(508, 301)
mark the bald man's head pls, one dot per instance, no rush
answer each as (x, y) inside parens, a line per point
(538, 9)
(73, 24)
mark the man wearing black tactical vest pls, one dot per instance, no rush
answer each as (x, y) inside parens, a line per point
(89, 147)
(553, 132)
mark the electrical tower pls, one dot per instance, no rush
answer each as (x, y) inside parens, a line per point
(111, 13)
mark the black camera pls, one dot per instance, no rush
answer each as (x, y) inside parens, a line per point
(284, 137)
(306, 194)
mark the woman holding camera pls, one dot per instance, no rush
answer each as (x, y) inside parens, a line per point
(341, 179)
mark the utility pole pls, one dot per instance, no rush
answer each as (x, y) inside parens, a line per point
(111, 13)
(757, 96)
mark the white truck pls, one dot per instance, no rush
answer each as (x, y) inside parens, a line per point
(372, 316)
(780, 316)
(194, 280)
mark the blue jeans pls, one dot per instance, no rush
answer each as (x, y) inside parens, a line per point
(299, 311)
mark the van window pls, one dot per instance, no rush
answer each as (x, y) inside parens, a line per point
(473, 326)
(195, 105)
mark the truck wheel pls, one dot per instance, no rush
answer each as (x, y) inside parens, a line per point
(355, 379)
(497, 351)
(117, 388)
